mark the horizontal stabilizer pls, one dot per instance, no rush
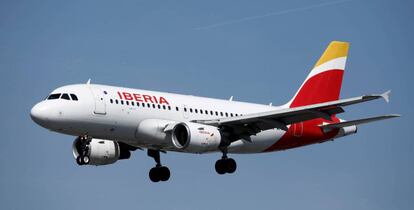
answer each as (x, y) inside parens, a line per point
(329, 127)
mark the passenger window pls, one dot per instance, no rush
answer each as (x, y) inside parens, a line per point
(216, 113)
(137, 103)
(74, 97)
(112, 101)
(205, 111)
(221, 114)
(153, 106)
(132, 103)
(169, 107)
(159, 106)
(143, 104)
(163, 107)
(65, 96)
(201, 111)
(227, 114)
(116, 101)
(196, 111)
(148, 105)
(176, 108)
(54, 96)
(185, 109)
(211, 112)
(127, 102)
(122, 102)
(231, 114)
(191, 110)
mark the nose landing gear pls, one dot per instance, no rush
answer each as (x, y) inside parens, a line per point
(159, 172)
(83, 148)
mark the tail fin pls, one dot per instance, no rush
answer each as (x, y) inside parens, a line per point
(324, 81)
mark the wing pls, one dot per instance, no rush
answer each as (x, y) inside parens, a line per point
(329, 127)
(242, 127)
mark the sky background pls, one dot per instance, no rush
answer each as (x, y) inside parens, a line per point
(258, 51)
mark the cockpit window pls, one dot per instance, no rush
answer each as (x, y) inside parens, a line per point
(54, 96)
(74, 97)
(65, 96)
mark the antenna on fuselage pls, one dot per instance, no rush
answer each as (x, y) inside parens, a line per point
(89, 81)
(231, 98)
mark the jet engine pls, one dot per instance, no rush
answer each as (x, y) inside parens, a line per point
(195, 138)
(344, 131)
(99, 151)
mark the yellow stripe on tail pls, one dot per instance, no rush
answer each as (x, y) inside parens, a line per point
(336, 49)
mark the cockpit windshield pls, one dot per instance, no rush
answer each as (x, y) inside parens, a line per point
(54, 96)
(65, 96)
(74, 97)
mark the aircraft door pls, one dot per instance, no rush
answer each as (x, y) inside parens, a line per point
(99, 98)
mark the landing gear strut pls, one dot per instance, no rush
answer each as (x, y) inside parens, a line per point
(83, 157)
(225, 164)
(159, 172)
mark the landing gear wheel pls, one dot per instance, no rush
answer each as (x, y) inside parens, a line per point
(79, 160)
(164, 173)
(160, 173)
(85, 159)
(154, 175)
(231, 165)
(220, 166)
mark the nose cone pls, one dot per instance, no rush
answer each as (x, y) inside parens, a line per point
(39, 114)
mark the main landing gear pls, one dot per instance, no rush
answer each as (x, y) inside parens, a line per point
(83, 157)
(225, 164)
(159, 172)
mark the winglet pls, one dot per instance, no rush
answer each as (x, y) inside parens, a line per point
(386, 96)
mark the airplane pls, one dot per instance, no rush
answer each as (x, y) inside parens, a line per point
(111, 122)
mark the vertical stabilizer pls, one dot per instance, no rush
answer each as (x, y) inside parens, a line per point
(325, 79)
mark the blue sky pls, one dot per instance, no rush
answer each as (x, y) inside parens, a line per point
(258, 51)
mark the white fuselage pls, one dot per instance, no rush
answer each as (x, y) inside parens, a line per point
(138, 117)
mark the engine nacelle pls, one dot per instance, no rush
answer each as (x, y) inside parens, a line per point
(344, 131)
(101, 152)
(195, 138)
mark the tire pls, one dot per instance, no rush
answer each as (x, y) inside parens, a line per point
(154, 175)
(164, 173)
(220, 166)
(79, 160)
(85, 159)
(231, 165)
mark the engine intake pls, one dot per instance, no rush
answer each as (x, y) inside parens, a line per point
(195, 137)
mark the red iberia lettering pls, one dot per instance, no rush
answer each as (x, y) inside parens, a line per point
(147, 98)
(142, 98)
(127, 96)
(163, 101)
(137, 97)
